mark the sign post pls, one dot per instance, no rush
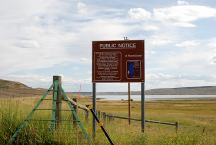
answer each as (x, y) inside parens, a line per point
(118, 61)
(58, 102)
(94, 109)
(142, 106)
(129, 98)
(129, 104)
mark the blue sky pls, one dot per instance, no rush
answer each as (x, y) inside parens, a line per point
(40, 38)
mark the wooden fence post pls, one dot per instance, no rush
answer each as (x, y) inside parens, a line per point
(104, 117)
(177, 125)
(58, 101)
(99, 114)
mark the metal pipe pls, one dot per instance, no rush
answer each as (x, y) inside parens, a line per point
(94, 109)
(142, 106)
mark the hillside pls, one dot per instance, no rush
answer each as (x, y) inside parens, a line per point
(6, 84)
(203, 90)
(17, 89)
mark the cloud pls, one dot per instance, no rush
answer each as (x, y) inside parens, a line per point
(212, 43)
(101, 29)
(174, 67)
(214, 60)
(27, 44)
(188, 44)
(181, 2)
(82, 8)
(52, 33)
(198, 59)
(139, 13)
(36, 34)
(183, 15)
(150, 27)
(170, 80)
(30, 35)
(160, 40)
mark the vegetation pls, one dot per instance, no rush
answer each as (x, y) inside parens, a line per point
(197, 119)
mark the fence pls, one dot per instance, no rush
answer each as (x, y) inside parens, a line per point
(7, 92)
(109, 117)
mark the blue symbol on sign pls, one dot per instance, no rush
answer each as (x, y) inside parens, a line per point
(131, 69)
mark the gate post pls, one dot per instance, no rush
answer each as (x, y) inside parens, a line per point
(58, 100)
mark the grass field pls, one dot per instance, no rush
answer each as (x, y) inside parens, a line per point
(197, 123)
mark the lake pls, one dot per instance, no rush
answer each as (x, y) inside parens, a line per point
(155, 97)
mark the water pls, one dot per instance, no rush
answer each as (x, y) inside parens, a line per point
(155, 97)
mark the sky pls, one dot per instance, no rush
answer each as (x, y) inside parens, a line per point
(39, 39)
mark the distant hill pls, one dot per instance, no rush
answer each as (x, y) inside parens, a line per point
(17, 89)
(12, 85)
(203, 90)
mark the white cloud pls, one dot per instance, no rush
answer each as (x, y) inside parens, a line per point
(188, 44)
(183, 24)
(169, 80)
(41, 49)
(212, 43)
(183, 15)
(37, 34)
(181, 2)
(30, 35)
(85, 60)
(148, 27)
(139, 13)
(82, 8)
(27, 44)
(159, 40)
(102, 29)
(196, 60)
(42, 34)
(214, 60)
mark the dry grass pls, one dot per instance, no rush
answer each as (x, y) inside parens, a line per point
(197, 119)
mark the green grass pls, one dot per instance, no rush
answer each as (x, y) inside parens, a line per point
(197, 120)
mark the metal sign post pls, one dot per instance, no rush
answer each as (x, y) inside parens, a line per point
(142, 106)
(129, 104)
(94, 109)
(129, 98)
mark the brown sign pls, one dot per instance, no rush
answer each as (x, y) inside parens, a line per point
(118, 61)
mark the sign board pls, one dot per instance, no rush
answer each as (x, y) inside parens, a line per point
(118, 61)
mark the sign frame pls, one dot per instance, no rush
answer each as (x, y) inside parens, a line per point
(141, 80)
(109, 67)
